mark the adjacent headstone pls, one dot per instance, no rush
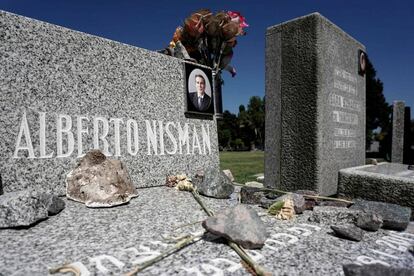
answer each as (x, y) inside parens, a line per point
(387, 182)
(64, 93)
(397, 147)
(315, 104)
(408, 154)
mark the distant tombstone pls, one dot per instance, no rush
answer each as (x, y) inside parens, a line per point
(315, 104)
(397, 142)
(64, 93)
(408, 154)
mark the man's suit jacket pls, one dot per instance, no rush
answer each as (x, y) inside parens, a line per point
(205, 103)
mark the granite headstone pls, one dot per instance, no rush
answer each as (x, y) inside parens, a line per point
(397, 147)
(315, 104)
(408, 154)
(63, 93)
(386, 182)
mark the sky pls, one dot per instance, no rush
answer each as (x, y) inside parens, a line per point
(386, 28)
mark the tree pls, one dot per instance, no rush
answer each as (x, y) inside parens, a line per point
(256, 114)
(378, 111)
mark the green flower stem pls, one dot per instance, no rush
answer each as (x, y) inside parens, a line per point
(178, 246)
(306, 196)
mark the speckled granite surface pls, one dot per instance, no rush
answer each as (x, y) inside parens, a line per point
(63, 92)
(111, 240)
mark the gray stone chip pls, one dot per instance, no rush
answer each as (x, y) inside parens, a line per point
(395, 217)
(213, 183)
(24, 208)
(239, 224)
(369, 221)
(349, 232)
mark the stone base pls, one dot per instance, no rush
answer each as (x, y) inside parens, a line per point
(113, 240)
(386, 182)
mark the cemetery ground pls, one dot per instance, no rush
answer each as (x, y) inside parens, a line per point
(244, 165)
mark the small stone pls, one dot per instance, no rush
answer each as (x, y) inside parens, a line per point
(251, 195)
(254, 184)
(100, 182)
(375, 270)
(299, 203)
(260, 179)
(411, 249)
(333, 215)
(333, 203)
(309, 202)
(349, 232)
(53, 204)
(369, 221)
(24, 208)
(410, 167)
(239, 224)
(229, 175)
(395, 217)
(213, 183)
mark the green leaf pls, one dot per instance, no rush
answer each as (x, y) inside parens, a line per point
(276, 207)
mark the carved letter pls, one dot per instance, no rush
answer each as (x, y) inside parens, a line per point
(151, 137)
(81, 130)
(161, 131)
(196, 141)
(98, 260)
(172, 138)
(24, 129)
(42, 136)
(59, 138)
(96, 137)
(117, 122)
(183, 138)
(206, 139)
(132, 125)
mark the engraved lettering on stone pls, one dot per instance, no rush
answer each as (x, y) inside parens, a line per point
(300, 231)
(344, 144)
(172, 138)
(117, 123)
(314, 227)
(97, 137)
(24, 130)
(196, 141)
(344, 132)
(132, 137)
(64, 128)
(183, 138)
(80, 132)
(98, 260)
(384, 254)
(42, 136)
(344, 117)
(212, 270)
(368, 260)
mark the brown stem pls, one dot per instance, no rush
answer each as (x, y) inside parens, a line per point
(179, 245)
(307, 196)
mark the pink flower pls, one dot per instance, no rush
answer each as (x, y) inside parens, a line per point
(237, 17)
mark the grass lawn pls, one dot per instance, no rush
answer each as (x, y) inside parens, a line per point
(244, 165)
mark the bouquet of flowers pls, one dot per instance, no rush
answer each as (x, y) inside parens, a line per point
(208, 39)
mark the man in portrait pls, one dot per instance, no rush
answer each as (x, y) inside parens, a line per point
(199, 99)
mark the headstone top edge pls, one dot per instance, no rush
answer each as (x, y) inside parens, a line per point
(399, 102)
(154, 53)
(319, 17)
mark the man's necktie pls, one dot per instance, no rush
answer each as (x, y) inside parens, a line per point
(200, 100)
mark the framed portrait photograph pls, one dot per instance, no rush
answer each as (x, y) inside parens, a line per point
(199, 89)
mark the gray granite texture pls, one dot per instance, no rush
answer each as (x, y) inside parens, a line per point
(397, 142)
(213, 183)
(25, 208)
(112, 240)
(239, 224)
(394, 217)
(334, 215)
(386, 182)
(376, 270)
(408, 155)
(315, 105)
(349, 232)
(64, 92)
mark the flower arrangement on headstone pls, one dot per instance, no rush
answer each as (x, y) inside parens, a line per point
(209, 39)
